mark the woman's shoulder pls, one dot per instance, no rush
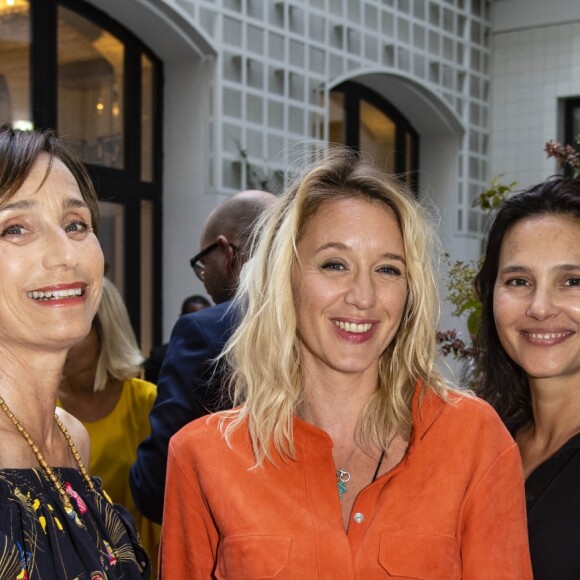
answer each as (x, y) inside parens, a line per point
(130, 417)
(206, 447)
(465, 412)
(203, 428)
(207, 434)
(144, 384)
(136, 401)
(467, 404)
(78, 433)
(140, 388)
(465, 400)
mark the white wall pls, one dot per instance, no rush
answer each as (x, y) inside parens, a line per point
(533, 66)
(437, 50)
(186, 189)
(522, 14)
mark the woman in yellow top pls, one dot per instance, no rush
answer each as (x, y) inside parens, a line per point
(100, 388)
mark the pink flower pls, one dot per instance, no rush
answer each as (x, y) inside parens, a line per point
(72, 493)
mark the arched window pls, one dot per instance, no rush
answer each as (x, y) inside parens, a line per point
(364, 121)
(571, 127)
(66, 65)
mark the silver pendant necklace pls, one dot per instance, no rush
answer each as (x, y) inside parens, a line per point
(343, 476)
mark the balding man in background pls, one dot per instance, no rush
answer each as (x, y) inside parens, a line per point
(189, 385)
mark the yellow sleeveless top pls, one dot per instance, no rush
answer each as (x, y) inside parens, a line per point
(114, 441)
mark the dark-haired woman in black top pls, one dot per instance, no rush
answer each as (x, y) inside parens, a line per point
(528, 359)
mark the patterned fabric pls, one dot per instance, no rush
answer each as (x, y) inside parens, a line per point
(38, 541)
(114, 441)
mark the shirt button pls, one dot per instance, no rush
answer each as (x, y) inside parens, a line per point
(358, 518)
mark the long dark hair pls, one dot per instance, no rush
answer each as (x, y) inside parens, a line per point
(19, 151)
(495, 376)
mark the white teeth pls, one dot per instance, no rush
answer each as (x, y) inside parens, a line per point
(353, 326)
(55, 294)
(546, 336)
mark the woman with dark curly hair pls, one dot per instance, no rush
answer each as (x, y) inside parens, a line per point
(528, 359)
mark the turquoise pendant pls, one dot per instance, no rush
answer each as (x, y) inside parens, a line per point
(342, 478)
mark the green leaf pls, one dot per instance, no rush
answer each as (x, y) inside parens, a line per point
(469, 305)
(474, 321)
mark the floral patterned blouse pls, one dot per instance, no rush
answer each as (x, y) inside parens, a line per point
(38, 541)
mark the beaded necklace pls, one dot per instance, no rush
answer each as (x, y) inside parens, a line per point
(49, 473)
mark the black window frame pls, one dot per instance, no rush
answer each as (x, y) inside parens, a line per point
(353, 94)
(123, 186)
(572, 104)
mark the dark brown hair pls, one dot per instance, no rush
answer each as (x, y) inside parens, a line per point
(19, 151)
(496, 377)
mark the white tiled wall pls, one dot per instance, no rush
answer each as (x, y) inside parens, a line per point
(278, 59)
(534, 65)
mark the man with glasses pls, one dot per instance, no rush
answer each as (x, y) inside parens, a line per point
(189, 384)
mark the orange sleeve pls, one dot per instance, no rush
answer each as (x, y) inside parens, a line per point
(188, 538)
(495, 537)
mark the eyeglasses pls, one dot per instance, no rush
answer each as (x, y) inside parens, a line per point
(197, 261)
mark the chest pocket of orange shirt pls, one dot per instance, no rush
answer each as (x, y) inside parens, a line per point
(253, 557)
(419, 556)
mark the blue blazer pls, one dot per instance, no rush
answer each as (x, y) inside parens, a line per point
(189, 387)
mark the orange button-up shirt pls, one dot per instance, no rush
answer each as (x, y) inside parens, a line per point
(453, 508)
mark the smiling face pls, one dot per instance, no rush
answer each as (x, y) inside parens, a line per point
(350, 286)
(50, 259)
(536, 299)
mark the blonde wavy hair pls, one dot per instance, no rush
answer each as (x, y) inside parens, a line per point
(120, 357)
(264, 353)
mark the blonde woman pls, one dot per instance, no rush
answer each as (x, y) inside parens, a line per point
(101, 388)
(347, 456)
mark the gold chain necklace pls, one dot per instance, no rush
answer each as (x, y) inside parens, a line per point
(44, 465)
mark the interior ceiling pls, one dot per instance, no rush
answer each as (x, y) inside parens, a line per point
(80, 40)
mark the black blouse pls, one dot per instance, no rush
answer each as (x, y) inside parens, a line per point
(553, 505)
(38, 541)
